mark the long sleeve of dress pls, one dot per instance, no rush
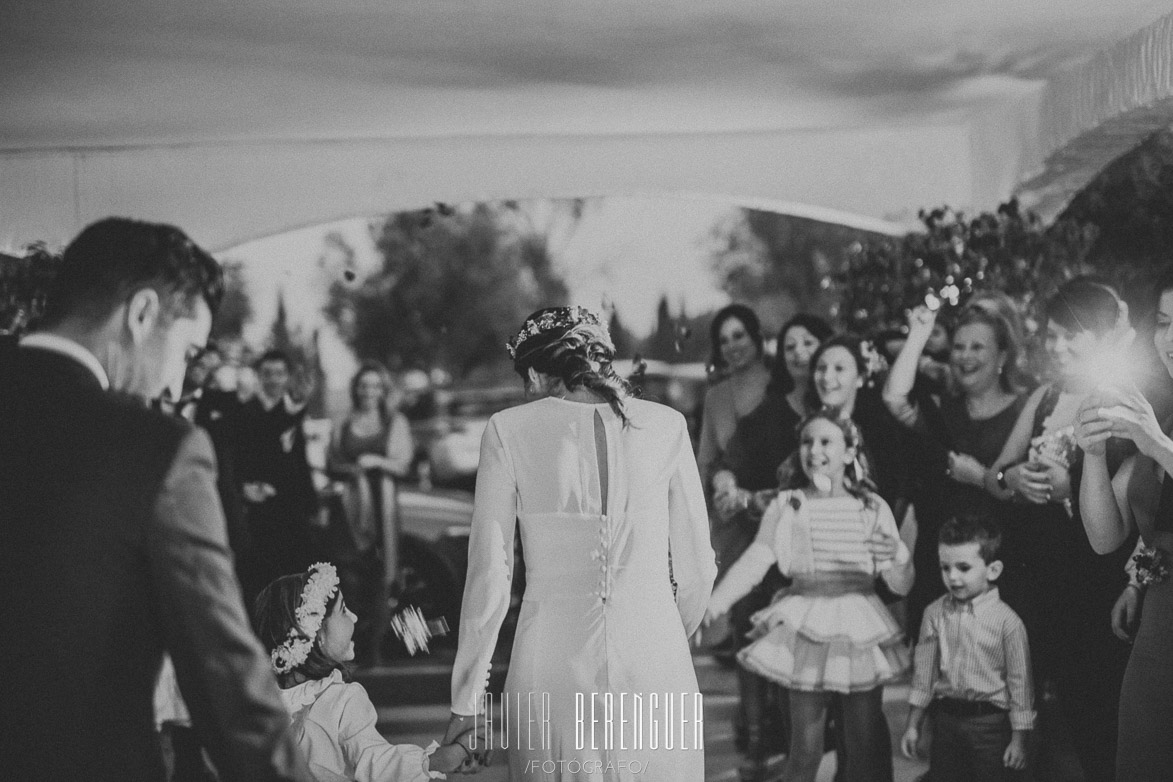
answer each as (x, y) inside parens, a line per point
(371, 756)
(693, 564)
(490, 570)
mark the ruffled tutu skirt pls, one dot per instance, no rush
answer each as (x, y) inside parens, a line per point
(817, 643)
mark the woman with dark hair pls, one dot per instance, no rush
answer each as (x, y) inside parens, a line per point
(760, 443)
(1139, 496)
(846, 371)
(1068, 589)
(370, 450)
(766, 436)
(738, 350)
(960, 434)
(606, 493)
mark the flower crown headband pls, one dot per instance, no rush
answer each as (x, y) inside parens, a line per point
(553, 318)
(310, 613)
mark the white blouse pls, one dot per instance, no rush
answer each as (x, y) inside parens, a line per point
(334, 723)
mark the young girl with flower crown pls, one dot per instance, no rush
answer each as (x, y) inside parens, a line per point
(833, 535)
(304, 623)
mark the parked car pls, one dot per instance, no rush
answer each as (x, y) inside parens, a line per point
(435, 525)
(448, 437)
(680, 386)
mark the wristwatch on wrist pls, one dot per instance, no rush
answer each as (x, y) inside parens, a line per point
(1000, 479)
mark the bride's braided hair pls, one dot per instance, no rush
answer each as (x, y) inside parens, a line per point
(576, 350)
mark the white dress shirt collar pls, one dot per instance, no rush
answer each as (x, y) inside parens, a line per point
(67, 347)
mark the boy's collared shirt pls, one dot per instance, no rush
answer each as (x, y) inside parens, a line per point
(975, 650)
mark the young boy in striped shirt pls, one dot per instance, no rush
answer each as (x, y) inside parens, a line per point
(972, 665)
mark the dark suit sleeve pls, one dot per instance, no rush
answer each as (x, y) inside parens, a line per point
(223, 672)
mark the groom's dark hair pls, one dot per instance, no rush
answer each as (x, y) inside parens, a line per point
(112, 258)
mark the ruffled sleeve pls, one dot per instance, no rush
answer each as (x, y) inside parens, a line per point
(372, 757)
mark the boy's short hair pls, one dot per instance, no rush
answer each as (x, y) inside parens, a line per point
(976, 528)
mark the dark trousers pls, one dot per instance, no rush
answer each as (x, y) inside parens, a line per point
(1072, 645)
(762, 717)
(970, 749)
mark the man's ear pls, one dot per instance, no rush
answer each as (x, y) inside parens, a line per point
(142, 314)
(994, 569)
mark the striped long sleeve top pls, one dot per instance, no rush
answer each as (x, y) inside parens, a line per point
(975, 650)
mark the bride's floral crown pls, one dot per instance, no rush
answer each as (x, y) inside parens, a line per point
(310, 613)
(548, 319)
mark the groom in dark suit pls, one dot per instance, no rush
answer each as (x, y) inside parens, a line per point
(112, 539)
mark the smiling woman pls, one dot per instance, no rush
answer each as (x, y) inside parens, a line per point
(961, 432)
(1066, 595)
(736, 338)
(1139, 496)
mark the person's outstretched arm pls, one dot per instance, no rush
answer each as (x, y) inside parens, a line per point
(224, 674)
(902, 375)
(751, 567)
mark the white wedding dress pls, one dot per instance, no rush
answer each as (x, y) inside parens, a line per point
(600, 505)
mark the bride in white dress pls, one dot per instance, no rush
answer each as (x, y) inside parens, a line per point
(605, 491)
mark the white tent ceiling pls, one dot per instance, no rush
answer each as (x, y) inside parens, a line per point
(94, 95)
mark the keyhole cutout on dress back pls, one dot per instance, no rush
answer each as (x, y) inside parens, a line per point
(601, 457)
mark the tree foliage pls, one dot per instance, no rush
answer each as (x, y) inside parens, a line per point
(1130, 206)
(24, 286)
(236, 309)
(452, 287)
(780, 264)
(955, 256)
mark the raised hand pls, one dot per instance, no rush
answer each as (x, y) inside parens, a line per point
(1031, 481)
(1058, 480)
(1126, 613)
(883, 548)
(963, 468)
(1092, 431)
(1132, 417)
(921, 320)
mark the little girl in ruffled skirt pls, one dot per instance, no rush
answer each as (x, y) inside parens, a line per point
(830, 633)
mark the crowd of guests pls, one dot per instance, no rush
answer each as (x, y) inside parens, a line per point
(279, 519)
(1034, 516)
(1018, 528)
(148, 557)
